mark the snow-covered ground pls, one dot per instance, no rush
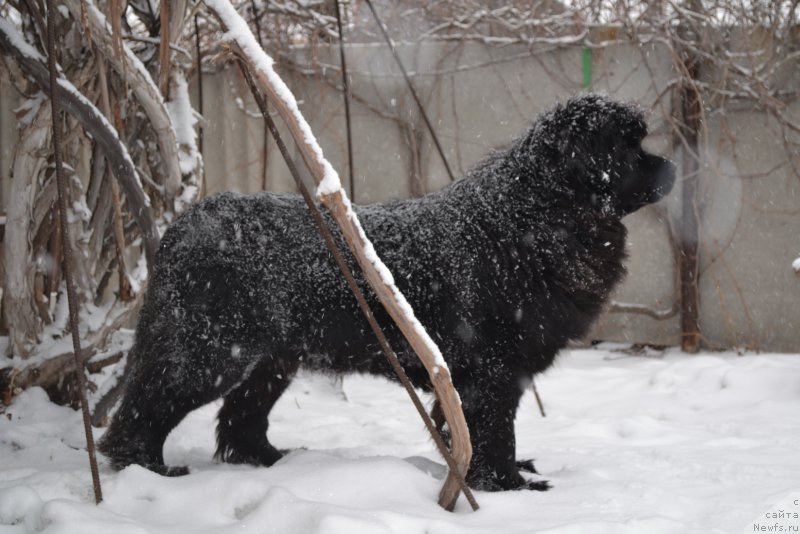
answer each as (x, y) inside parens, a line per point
(660, 442)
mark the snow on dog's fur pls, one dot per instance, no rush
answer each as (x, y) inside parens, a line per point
(502, 267)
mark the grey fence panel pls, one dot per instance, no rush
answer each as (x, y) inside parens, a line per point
(479, 98)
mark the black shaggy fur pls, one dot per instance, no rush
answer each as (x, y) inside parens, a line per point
(502, 268)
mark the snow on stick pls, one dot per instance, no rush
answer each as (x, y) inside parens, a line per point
(331, 193)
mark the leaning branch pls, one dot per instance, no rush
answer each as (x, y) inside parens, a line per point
(32, 63)
(333, 196)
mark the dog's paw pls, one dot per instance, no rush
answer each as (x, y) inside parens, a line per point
(168, 471)
(260, 454)
(509, 481)
(536, 485)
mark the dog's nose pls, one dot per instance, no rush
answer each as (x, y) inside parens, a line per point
(665, 176)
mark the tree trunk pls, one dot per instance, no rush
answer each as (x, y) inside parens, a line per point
(691, 110)
(24, 326)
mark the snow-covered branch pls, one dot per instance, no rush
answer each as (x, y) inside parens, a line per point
(639, 309)
(330, 191)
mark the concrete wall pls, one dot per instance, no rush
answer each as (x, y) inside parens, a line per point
(479, 98)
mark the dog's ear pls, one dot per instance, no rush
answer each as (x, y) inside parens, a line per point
(590, 116)
(578, 125)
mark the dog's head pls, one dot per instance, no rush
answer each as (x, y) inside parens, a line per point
(596, 144)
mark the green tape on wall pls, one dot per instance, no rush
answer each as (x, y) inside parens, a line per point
(587, 67)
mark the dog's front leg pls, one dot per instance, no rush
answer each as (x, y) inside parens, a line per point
(490, 405)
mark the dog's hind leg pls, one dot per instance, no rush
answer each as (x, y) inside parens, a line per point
(243, 418)
(160, 392)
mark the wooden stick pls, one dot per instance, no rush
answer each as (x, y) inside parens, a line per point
(119, 232)
(538, 398)
(199, 54)
(72, 298)
(164, 55)
(265, 142)
(412, 90)
(55, 252)
(346, 96)
(259, 64)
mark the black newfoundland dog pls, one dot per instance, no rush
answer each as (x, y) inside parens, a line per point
(502, 267)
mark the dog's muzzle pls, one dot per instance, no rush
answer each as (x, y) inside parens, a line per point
(664, 179)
